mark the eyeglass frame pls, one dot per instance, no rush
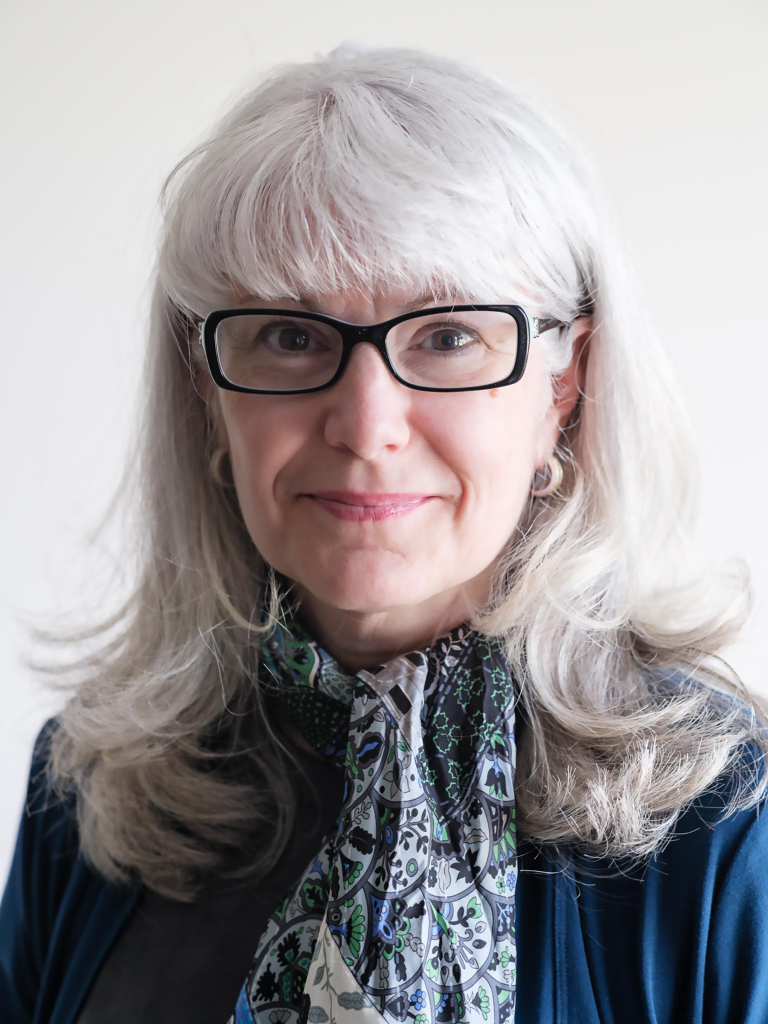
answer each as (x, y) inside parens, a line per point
(528, 328)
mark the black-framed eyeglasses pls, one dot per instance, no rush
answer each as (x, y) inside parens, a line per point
(447, 348)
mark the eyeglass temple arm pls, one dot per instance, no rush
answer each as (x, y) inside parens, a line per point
(541, 324)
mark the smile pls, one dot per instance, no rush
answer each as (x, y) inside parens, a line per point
(358, 507)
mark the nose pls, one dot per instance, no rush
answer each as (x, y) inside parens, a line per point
(367, 410)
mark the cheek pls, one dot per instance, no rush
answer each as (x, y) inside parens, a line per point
(262, 438)
(492, 447)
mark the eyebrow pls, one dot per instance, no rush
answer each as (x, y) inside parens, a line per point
(425, 299)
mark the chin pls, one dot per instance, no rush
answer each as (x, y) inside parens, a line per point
(367, 583)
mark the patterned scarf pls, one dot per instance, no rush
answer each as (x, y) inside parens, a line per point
(407, 913)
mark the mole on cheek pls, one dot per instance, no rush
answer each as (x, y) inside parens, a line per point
(494, 392)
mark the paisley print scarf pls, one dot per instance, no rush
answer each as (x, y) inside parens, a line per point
(407, 913)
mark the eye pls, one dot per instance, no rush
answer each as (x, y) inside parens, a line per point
(288, 337)
(449, 338)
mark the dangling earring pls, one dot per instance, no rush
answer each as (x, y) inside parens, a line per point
(555, 478)
(214, 467)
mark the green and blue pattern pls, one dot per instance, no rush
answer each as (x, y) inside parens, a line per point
(407, 914)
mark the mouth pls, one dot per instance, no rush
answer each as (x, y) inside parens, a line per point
(367, 507)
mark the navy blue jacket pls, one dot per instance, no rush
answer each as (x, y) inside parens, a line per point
(684, 941)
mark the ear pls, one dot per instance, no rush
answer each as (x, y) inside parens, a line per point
(568, 387)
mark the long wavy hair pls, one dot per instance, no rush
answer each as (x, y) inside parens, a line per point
(382, 169)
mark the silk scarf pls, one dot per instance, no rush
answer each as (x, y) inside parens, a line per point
(407, 913)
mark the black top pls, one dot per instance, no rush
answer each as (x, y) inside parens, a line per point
(187, 961)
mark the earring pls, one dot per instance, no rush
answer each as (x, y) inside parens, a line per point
(214, 467)
(555, 478)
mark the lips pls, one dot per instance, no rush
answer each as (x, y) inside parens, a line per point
(359, 506)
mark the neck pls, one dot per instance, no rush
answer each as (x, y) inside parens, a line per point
(358, 640)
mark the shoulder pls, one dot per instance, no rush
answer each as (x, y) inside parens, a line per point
(716, 839)
(701, 905)
(716, 863)
(54, 907)
(663, 939)
(45, 853)
(720, 837)
(733, 809)
(47, 845)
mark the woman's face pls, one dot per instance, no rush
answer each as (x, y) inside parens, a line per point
(376, 498)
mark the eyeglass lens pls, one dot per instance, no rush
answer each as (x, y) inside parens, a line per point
(438, 350)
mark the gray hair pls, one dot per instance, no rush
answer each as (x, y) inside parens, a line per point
(387, 169)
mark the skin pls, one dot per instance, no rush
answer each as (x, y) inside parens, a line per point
(374, 589)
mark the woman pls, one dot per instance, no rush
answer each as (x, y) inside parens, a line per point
(410, 716)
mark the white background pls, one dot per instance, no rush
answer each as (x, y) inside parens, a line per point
(98, 100)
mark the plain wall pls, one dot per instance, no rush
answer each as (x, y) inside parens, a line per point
(100, 100)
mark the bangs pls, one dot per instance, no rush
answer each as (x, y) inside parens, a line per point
(364, 180)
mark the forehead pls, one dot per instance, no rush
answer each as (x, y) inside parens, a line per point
(361, 305)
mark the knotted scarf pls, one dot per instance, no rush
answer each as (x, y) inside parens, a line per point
(407, 913)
